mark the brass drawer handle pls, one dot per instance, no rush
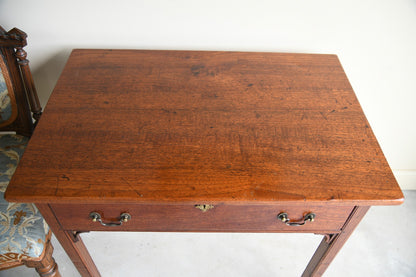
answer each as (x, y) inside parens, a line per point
(124, 217)
(285, 218)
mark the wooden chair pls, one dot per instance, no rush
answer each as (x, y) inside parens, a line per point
(24, 234)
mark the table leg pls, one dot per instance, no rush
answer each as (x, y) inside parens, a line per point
(330, 245)
(73, 246)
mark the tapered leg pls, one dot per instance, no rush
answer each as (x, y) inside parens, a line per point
(329, 247)
(75, 249)
(46, 266)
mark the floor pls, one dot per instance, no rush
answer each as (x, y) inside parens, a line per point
(384, 244)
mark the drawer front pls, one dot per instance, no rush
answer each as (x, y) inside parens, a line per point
(193, 218)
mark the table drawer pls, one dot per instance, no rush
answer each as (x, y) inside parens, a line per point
(213, 218)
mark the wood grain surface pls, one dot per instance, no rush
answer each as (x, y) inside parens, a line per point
(137, 126)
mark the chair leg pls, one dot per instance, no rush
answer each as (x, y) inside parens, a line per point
(46, 267)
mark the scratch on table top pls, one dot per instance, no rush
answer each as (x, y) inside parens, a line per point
(132, 188)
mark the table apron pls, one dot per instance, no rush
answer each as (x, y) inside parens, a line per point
(201, 217)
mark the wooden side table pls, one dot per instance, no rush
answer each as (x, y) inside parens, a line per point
(203, 141)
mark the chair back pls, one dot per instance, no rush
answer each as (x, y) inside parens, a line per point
(19, 104)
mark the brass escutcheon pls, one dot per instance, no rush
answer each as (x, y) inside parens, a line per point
(204, 207)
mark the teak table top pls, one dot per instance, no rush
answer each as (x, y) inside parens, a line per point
(185, 126)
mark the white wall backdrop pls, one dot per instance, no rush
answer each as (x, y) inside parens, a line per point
(375, 41)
